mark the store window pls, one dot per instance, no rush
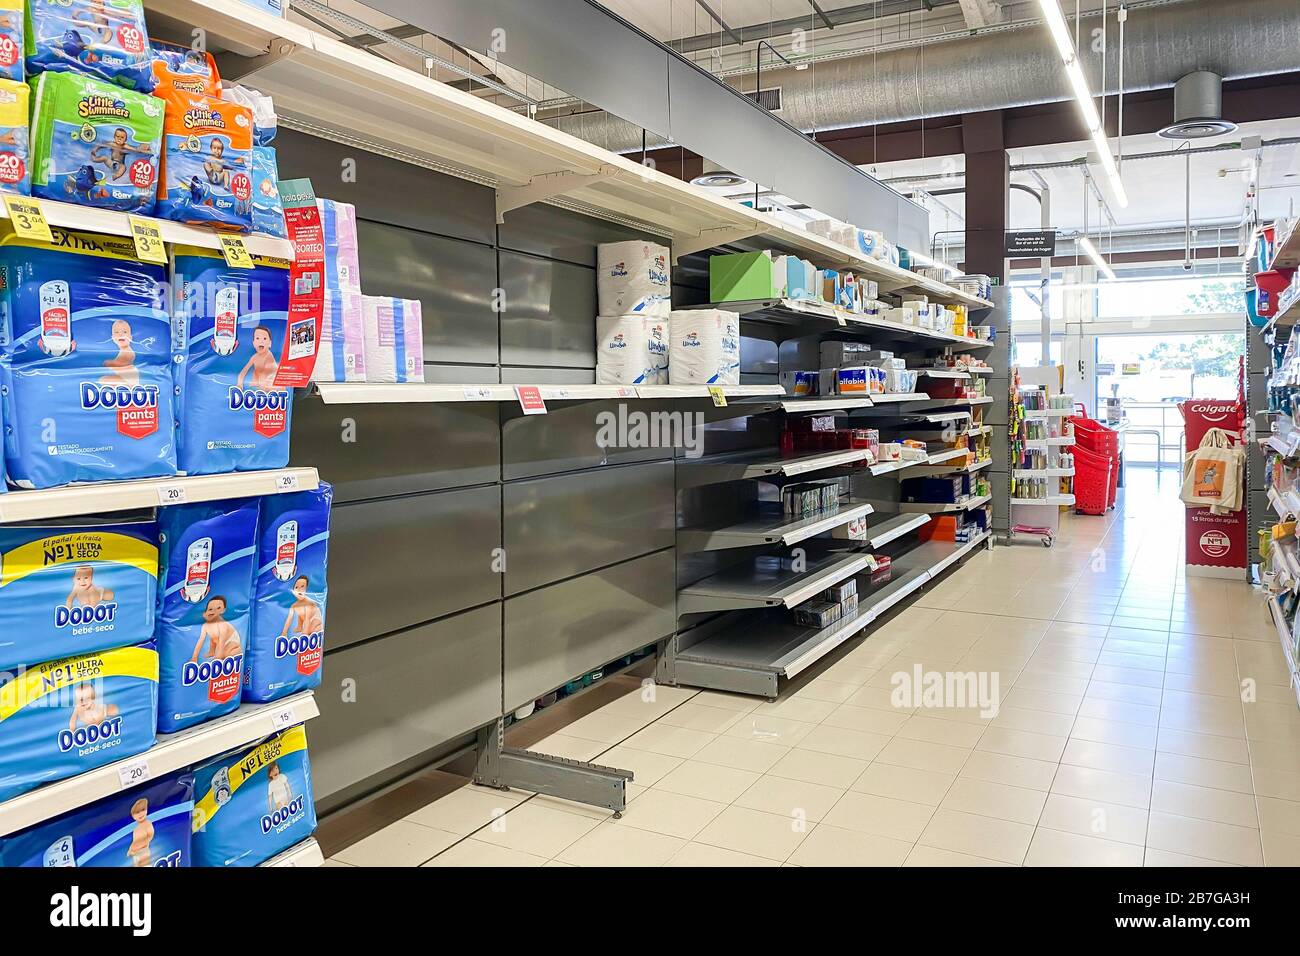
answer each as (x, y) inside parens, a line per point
(1028, 350)
(1154, 296)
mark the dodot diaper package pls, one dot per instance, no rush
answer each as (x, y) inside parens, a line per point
(208, 558)
(67, 716)
(632, 277)
(148, 825)
(11, 40)
(75, 589)
(182, 69)
(268, 211)
(287, 647)
(229, 335)
(94, 143)
(252, 804)
(339, 227)
(705, 347)
(394, 339)
(85, 362)
(341, 354)
(207, 162)
(15, 165)
(631, 350)
(105, 39)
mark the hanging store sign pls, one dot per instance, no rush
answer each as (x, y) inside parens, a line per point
(1031, 245)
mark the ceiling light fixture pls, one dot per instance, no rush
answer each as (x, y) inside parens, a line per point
(1091, 251)
(1083, 95)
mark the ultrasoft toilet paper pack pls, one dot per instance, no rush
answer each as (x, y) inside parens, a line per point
(632, 277)
(631, 350)
(704, 347)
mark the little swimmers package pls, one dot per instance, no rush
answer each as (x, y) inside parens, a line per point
(67, 716)
(268, 210)
(229, 333)
(15, 161)
(183, 69)
(207, 162)
(94, 143)
(148, 825)
(394, 339)
(287, 645)
(71, 590)
(11, 40)
(252, 804)
(208, 558)
(105, 39)
(85, 361)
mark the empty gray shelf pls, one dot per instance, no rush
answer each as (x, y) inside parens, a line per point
(895, 527)
(766, 581)
(770, 527)
(722, 468)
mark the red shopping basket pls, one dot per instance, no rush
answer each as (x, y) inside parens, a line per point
(1093, 436)
(1092, 481)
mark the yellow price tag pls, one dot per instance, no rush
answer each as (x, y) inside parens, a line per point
(236, 253)
(28, 219)
(148, 239)
(718, 395)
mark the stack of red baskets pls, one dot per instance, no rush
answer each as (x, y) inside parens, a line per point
(1096, 465)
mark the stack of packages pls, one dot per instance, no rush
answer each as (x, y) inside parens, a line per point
(834, 604)
(852, 368)
(634, 299)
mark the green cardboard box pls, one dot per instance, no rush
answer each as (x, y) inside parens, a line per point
(743, 275)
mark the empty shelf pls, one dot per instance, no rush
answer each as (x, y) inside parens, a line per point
(773, 527)
(925, 507)
(894, 527)
(710, 471)
(767, 581)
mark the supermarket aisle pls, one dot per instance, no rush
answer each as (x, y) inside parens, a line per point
(1121, 738)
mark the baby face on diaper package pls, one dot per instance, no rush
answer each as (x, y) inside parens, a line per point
(252, 804)
(94, 143)
(208, 557)
(105, 39)
(229, 333)
(287, 646)
(67, 716)
(148, 825)
(15, 161)
(85, 361)
(207, 162)
(74, 589)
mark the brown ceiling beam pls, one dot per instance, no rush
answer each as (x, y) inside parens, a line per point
(1134, 258)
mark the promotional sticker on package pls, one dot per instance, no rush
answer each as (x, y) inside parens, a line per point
(148, 825)
(71, 590)
(207, 162)
(105, 39)
(208, 558)
(85, 361)
(230, 339)
(182, 69)
(15, 166)
(11, 40)
(94, 143)
(70, 715)
(253, 804)
(287, 647)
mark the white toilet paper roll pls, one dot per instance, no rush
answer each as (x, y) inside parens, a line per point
(624, 352)
(633, 277)
(705, 347)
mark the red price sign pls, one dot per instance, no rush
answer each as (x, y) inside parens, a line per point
(530, 399)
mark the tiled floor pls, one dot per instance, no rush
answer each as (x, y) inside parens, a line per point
(1145, 718)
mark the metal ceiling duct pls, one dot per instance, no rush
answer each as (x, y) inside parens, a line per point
(1198, 108)
(1009, 67)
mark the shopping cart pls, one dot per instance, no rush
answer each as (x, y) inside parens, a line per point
(1092, 481)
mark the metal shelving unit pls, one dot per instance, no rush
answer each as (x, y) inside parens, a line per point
(370, 393)
(769, 528)
(919, 507)
(762, 465)
(767, 581)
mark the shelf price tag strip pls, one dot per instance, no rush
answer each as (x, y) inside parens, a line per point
(233, 248)
(28, 218)
(148, 238)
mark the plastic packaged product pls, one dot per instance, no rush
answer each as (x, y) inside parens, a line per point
(625, 353)
(94, 143)
(705, 347)
(251, 804)
(659, 331)
(11, 40)
(15, 161)
(182, 69)
(105, 39)
(208, 560)
(394, 339)
(268, 210)
(228, 332)
(341, 352)
(286, 648)
(855, 380)
(265, 122)
(207, 162)
(339, 226)
(148, 825)
(632, 278)
(70, 715)
(74, 589)
(85, 362)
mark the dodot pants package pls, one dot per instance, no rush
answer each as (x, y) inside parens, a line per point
(105, 39)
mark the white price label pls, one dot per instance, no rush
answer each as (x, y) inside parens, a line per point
(478, 394)
(282, 718)
(134, 772)
(627, 392)
(172, 495)
(841, 320)
(286, 482)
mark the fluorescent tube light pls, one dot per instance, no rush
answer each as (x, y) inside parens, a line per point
(1086, 245)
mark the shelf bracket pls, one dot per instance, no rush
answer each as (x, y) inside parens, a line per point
(503, 768)
(711, 238)
(546, 186)
(234, 66)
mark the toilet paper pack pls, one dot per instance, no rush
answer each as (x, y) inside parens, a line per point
(341, 352)
(632, 277)
(394, 339)
(704, 348)
(631, 350)
(339, 227)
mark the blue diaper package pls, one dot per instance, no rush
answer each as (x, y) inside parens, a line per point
(252, 804)
(148, 825)
(208, 558)
(105, 39)
(268, 211)
(228, 327)
(85, 361)
(67, 716)
(11, 40)
(287, 645)
(69, 590)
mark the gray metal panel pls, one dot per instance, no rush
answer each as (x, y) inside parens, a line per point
(414, 690)
(564, 525)
(757, 356)
(556, 633)
(550, 313)
(453, 280)
(404, 561)
(531, 375)
(554, 233)
(462, 374)
(564, 439)
(396, 449)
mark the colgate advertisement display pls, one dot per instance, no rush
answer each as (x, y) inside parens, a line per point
(1216, 544)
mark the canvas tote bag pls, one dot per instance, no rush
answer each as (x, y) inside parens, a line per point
(1212, 473)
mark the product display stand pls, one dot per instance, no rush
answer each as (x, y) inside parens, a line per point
(1031, 515)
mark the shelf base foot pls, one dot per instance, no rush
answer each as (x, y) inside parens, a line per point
(503, 767)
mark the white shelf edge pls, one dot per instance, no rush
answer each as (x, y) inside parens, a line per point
(1043, 473)
(1054, 500)
(367, 393)
(306, 853)
(897, 530)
